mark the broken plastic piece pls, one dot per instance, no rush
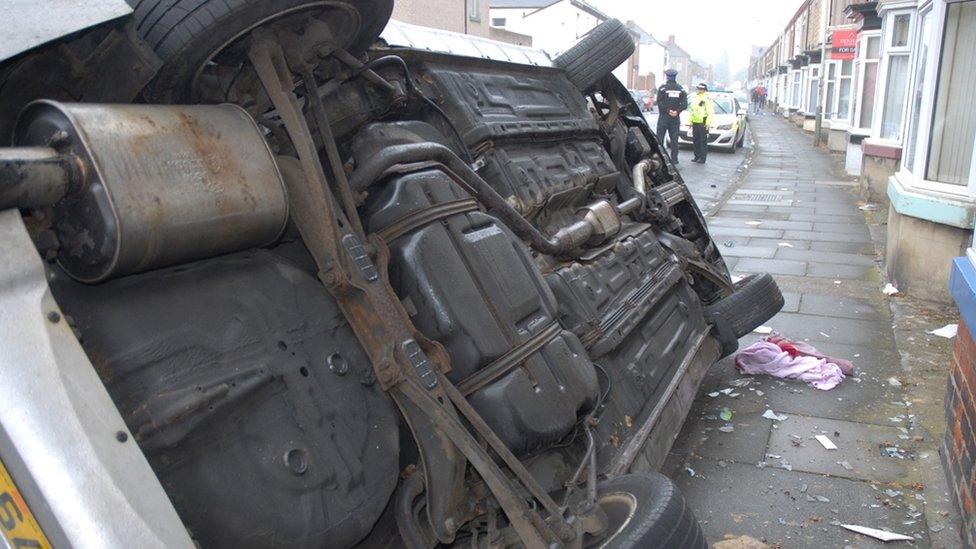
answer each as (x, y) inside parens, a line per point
(826, 442)
(763, 330)
(726, 415)
(948, 331)
(877, 534)
(769, 414)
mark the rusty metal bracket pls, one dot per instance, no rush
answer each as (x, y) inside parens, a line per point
(403, 359)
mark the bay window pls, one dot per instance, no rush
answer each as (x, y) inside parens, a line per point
(953, 127)
(844, 86)
(897, 31)
(795, 90)
(830, 82)
(813, 90)
(918, 95)
(869, 56)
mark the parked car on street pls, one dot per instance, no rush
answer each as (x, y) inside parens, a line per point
(643, 98)
(728, 130)
(283, 274)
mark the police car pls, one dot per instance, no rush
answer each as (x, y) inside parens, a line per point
(727, 131)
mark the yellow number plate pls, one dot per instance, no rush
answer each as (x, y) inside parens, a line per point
(17, 523)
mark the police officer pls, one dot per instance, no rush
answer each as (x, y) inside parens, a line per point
(702, 113)
(671, 100)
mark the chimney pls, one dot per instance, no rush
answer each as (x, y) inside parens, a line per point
(670, 39)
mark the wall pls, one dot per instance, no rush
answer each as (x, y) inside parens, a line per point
(919, 254)
(450, 15)
(959, 450)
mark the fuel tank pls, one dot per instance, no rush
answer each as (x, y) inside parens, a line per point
(469, 284)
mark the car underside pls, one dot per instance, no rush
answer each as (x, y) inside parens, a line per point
(344, 291)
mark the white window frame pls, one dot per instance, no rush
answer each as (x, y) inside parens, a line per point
(838, 77)
(804, 88)
(796, 88)
(887, 52)
(914, 178)
(827, 82)
(813, 74)
(863, 61)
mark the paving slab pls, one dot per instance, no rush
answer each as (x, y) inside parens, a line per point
(770, 504)
(863, 449)
(772, 266)
(845, 307)
(813, 256)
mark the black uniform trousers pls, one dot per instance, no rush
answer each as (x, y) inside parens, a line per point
(699, 133)
(669, 125)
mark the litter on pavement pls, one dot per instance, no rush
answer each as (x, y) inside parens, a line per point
(769, 414)
(889, 289)
(780, 357)
(826, 442)
(877, 534)
(763, 330)
(948, 331)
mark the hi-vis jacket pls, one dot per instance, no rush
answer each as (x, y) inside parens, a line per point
(701, 108)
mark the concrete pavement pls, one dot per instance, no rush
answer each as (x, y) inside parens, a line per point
(710, 182)
(789, 212)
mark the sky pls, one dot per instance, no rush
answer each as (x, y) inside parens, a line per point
(706, 28)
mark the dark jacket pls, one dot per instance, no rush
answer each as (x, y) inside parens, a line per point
(671, 96)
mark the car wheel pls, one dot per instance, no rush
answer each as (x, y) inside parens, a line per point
(596, 54)
(190, 35)
(648, 511)
(756, 299)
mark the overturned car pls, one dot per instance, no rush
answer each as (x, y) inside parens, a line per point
(284, 273)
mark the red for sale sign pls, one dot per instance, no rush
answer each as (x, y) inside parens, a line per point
(844, 46)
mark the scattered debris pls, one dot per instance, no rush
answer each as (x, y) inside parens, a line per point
(822, 499)
(727, 428)
(759, 393)
(893, 451)
(726, 414)
(691, 472)
(740, 542)
(893, 381)
(729, 243)
(803, 488)
(763, 330)
(868, 207)
(754, 223)
(889, 289)
(846, 465)
(715, 394)
(948, 331)
(769, 414)
(877, 534)
(837, 282)
(785, 245)
(825, 335)
(826, 442)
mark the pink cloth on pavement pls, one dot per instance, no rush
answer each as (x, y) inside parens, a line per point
(800, 348)
(767, 357)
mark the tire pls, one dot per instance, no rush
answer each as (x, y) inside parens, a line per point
(185, 34)
(596, 54)
(658, 517)
(756, 299)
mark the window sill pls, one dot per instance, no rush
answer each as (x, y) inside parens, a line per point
(931, 205)
(884, 148)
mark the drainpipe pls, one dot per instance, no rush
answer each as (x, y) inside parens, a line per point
(821, 104)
